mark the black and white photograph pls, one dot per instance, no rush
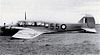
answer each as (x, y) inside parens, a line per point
(49, 27)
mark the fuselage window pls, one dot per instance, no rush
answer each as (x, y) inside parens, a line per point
(29, 23)
(42, 24)
(22, 23)
(46, 25)
(33, 24)
(38, 23)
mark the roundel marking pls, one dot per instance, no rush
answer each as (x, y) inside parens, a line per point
(63, 26)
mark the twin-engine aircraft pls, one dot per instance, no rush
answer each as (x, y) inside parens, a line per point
(31, 29)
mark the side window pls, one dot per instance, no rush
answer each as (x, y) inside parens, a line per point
(24, 23)
(39, 23)
(20, 23)
(33, 24)
(43, 24)
(46, 25)
(29, 23)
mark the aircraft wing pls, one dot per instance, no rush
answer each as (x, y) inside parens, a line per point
(28, 33)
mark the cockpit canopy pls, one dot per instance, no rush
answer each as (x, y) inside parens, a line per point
(30, 23)
(25, 23)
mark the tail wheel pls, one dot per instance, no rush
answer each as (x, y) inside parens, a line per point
(63, 26)
(90, 22)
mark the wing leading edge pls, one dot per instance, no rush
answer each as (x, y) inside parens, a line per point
(27, 34)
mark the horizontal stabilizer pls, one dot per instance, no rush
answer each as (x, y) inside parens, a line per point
(27, 34)
(90, 29)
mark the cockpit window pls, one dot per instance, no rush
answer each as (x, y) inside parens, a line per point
(29, 23)
(24, 23)
(21, 23)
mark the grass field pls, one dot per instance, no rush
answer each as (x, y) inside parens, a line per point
(66, 43)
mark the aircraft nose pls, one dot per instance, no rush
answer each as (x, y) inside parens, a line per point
(2, 28)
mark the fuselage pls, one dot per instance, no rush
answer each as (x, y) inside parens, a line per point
(51, 26)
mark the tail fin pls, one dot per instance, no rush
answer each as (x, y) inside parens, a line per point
(89, 22)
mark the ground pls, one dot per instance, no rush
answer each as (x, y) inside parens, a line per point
(66, 43)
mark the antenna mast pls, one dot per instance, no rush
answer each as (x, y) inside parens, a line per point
(25, 15)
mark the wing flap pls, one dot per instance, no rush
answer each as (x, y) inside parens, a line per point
(27, 34)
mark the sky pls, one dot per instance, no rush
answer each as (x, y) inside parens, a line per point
(65, 11)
